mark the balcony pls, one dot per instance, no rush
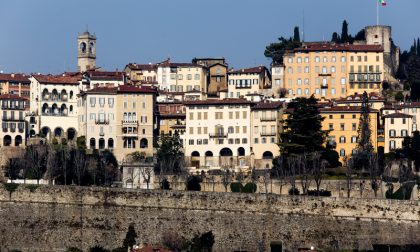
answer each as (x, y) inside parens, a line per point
(130, 122)
(101, 134)
(102, 121)
(242, 86)
(218, 135)
(268, 119)
(266, 134)
(324, 86)
(55, 114)
(13, 107)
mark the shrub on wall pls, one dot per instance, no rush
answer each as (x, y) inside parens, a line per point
(165, 185)
(73, 249)
(236, 187)
(193, 183)
(294, 191)
(11, 187)
(250, 188)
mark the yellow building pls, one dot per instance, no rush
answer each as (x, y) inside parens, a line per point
(138, 74)
(343, 121)
(119, 118)
(332, 70)
(15, 84)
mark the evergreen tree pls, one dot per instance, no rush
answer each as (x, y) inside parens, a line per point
(296, 34)
(345, 32)
(418, 46)
(130, 237)
(335, 38)
(364, 145)
(360, 35)
(276, 50)
(303, 128)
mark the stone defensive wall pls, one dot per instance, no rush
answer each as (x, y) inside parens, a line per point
(53, 218)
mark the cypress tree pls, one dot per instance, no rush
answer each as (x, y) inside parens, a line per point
(296, 34)
(335, 37)
(364, 142)
(418, 46)
(345, 32)
(130, 237)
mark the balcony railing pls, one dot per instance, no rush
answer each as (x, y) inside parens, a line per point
(102, 121)
(268, 119)
(324, 86)
(218, 135)
(130, 122)
(241, 86)
(268, 134)
(13, 107)
(55, 114)
(54, 98)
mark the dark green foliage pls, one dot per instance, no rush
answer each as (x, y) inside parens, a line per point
(175, 242)
(320, 193)
(276, 50)
(164, 185)
(415, 90)
(335, 37)
(74, 249)
(294, 191)
(130, 237)
(169, 154)
(11, 187)
(98, 249)
(403, 193)
(399, 96)
(296, 34)
(203, 243)
(303, 128)
(236, 187)
(332, 157)
(14, 167)
(250, 187)
(193, 183)
(364, 146)
(411, 149)
(360, 35)
(81, 142)
(32, 188)
(119, 250)
(345, 32)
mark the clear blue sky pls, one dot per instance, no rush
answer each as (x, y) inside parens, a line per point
(40, 36)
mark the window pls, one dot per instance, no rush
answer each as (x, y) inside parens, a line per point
(404, 133)
(392, 145)
(263, 140)
(392, 133)
(196, 77)
(306, 70)
(191, 130)
(343, 81)
(111, 102)
(414, 127)
(342, 126)
(316, 59)
(333, 59)
(299, 60)
(244, 114)
(333, 91)
(306, 91)
(289, 70)
(403, 120)
(353, 139)
(331, 126)
(231, 130)
(392, 120)
(342, 139)
(256, 140)
(342, 152)
(101, 102)
(92, 101)
(191, 142)
(333, 69)
(244, 140)
(306, 59)
(325, 59)
(191, 116)
(353, 127)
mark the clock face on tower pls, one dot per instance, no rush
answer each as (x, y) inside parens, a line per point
(91, 45)
(83, 47)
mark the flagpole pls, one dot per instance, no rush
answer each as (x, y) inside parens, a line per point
(377, 13)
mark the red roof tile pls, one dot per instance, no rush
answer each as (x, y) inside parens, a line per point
(58, 79)
(12, 97)
(102, 90)
(397, 115)
(104, 75)
(344, 109)
(135, 89)
(148, 67)
(252, 70)
(327, 46)
(14, 78)
(268, 105)
(219, 102)
(359, 97)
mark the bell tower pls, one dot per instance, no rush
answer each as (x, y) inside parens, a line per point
(86, 51)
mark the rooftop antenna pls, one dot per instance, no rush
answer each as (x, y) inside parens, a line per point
(303, 25)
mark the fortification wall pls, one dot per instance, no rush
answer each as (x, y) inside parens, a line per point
(54, 218)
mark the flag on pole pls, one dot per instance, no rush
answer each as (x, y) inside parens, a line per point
(382, 2)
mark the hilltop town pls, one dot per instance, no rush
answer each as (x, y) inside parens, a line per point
(332, 118)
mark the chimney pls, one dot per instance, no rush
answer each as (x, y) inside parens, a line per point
(13, 75)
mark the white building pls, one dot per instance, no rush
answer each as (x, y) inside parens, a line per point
(256, 80)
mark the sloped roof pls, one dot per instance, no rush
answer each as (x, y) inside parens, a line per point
(19, 78)
(57, 79)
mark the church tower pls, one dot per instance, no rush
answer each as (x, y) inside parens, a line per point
(86, 52)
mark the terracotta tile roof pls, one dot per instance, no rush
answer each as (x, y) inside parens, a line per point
(170, 64)
(106, 75)
(148, 67)
(102, 90)
(327, 46)
(58, 79)
(397, 115)
(12, 97)
(219, 102)
(268, 105)
(252, 70)
(135, 89)
(343, 109)
(14, 78)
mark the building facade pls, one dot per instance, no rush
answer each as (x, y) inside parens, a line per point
(14, 128)
(181, 77)
(242, 82)
(397, 126)
(331, 71)
(15, 84)
(216, 73)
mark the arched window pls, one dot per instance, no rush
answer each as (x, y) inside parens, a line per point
(101, 143)
(231, 130)
(208, 154)
(267, 155)
(71, 94)
(241, 151)
(195, 154)
(129, 117)
(226, 152)
(92, 143)
(134, 117)
(125, 116)
(143, 143)
(7, 140)
(71, 108)
(110, 143)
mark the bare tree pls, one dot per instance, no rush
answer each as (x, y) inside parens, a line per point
(280, 171)
(92, 167)
(304, 171)
(318, 169)
(65, 156)
(212, 180)
(79, 161)
(146, 173)
(349, 173)
(292, 169)
(35, 157)
(226, 178)
(52, 163)
(374, 173)
(266, 179)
